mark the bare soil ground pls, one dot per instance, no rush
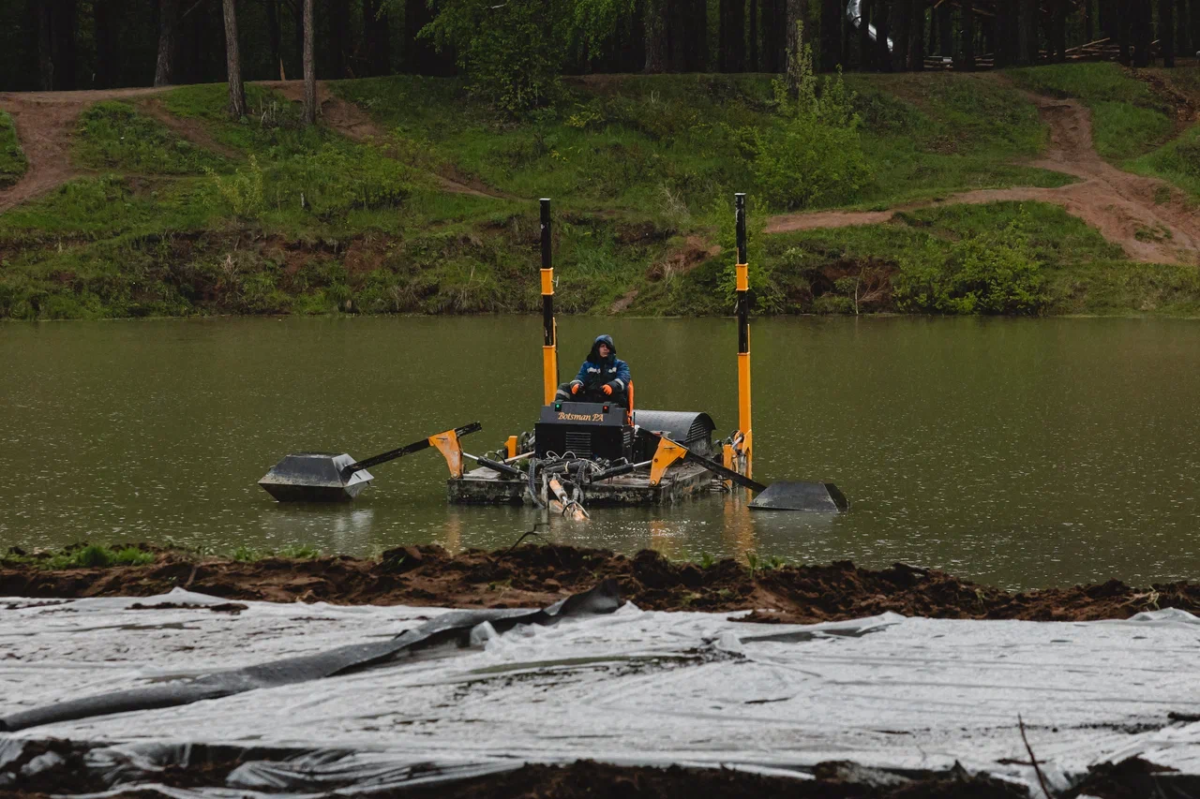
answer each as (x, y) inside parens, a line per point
(585, 779)
(534, 576)
(1153, 222)
(355, 124)
(45, 123)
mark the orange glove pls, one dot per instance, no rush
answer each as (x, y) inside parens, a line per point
(574, 389)
(608, 390)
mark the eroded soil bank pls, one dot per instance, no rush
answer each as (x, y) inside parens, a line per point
(589, 780)
(533, 576)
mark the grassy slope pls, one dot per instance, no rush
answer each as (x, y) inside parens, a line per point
(1128, 119)
(12, 160)
(641, 169)
(1132, 125)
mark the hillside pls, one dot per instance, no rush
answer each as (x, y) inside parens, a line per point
(1063, 189)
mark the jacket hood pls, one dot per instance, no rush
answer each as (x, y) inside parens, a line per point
(594, 355)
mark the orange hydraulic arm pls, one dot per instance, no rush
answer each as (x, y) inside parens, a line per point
(745, 455)
(549, 330)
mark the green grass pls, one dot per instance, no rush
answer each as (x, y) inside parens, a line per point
(246, 554)
(113, 135)
(303, 220)
(805, 268)
(1177, 162)
(81, 556)
(928, 135)
(85, 556)
(12, 159)
(1128, 119)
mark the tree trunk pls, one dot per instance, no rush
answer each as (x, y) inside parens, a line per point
(63, 24)
(1142, 32)
(382, 55)
(1027, 32)
(276, 37)
(310, 67)
(866, 47)
(168, 15)
(1124, 23)
(45, 47)
(1183, 31)
(1194, 19)
(105, 14)
(1001, 28)
(797, 34)
(883, 30)
(916, 53)
(1166, 31)
(774, 27)
(724, 7)
(831, 34)
(1089, 21)
(689, 36)
(233, 62)
(752, 57)
(656, 35)
(298, 37)
(945, 27)
(1109, 16)
(1058, 27)
(968, 35)
(338, 14)
(901, 32)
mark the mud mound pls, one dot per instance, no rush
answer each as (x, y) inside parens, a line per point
(530, 576)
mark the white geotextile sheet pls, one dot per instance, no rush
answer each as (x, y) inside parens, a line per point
(634, 687)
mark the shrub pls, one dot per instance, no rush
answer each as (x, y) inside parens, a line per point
(12, 159)
(815, 155)
(992, 273)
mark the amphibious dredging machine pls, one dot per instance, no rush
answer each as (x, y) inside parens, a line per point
(584, 454)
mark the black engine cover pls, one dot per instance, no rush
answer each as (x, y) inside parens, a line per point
(586, 429)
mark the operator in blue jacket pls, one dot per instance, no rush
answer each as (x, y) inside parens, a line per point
(602, 378)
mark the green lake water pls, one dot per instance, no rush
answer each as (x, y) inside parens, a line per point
(1021, 453)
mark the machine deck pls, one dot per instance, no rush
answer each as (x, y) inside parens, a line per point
(486, 487)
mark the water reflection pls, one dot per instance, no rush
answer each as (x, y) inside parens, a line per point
(348, 528)
(1015, 452)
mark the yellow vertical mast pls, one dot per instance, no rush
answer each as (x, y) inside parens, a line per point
(549, 332)
(743, 315)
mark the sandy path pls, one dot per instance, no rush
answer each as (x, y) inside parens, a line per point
(355, 124)
(1120, 205)
(46, 123)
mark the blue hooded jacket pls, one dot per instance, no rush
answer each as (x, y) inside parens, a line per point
(596, 372)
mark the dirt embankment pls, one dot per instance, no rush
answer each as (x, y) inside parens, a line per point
(210, 767)
(46, 121)
(1153, 222)
(532, 576)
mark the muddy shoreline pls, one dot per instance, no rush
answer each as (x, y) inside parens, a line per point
(534, 576)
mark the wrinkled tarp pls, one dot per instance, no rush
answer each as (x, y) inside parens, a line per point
(457, 625)
(631, 687)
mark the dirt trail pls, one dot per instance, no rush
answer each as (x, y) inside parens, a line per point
(193, 130)
(45, 123)
(1151, 221)
(355, 124)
